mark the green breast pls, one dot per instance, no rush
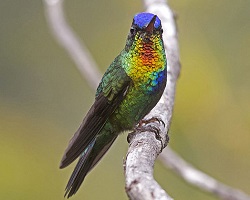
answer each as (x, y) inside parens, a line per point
(137, 103)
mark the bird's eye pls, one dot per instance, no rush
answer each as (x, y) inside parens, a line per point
(132, 31)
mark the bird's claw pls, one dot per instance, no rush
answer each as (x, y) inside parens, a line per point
(153, 129)
(149, 128)
(153, 119)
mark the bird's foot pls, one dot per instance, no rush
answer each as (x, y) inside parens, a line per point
(147, 121)
(148, 128)
(145, 126)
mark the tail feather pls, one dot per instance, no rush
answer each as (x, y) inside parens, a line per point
(78, 170)
(87, 161)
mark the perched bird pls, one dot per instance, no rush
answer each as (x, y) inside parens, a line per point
(129, 89)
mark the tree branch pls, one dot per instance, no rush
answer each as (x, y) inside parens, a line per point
(71, 43)
(199, 179)
(144, 147)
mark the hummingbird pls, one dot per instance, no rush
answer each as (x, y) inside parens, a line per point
(129, 89)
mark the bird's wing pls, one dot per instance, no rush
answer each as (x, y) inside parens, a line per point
(110, 93)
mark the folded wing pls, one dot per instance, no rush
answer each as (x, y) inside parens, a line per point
(110, 93)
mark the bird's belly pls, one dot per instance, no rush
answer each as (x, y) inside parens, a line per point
(133, 108)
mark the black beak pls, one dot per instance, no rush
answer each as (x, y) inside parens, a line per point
(150, 26)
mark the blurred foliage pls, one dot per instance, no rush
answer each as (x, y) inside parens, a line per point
(43, 98)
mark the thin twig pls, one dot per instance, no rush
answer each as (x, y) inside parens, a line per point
(199, 179)
(71, 43)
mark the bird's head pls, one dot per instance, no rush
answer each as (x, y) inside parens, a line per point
(144, 50)
(145, 28)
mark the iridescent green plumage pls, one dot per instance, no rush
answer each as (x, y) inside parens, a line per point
(129, 89)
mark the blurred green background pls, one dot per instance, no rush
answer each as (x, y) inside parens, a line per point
(43, 98)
